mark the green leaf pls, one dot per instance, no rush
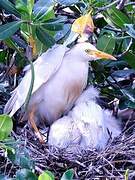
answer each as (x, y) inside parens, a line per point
(106, 43)
(44, 37)
(129, 93)
(25, 28)
(130, 58)
(125, 103)
(125, 73)
(48, 14)
(131, 104)
(130, 29)
(8, 6)
(67, 2)
(9, 145)
(9, 29)
(3, 177)
(25, 174)
(21, 6)
(117, 64)
(68, 175)
(47, 175)
(53, 24)
(25, 7)
(6, 126)
(19, 156)
(30, 4)
(64, 33)
(3, 56)
(24, 161)
(41, 7)
(12, 45)
(117, 17)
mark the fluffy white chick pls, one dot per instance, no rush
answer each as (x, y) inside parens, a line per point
(86, 126)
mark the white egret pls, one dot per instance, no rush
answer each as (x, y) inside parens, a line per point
(60, 77)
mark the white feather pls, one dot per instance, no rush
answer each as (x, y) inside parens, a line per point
(87, 122)
(60, 77)
(45, 67)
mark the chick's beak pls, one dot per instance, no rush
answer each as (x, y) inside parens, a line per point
(99, 54)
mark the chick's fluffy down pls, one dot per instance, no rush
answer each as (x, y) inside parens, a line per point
(86, 126)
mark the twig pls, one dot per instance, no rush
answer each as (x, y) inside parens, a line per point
(81, 164)
(108, 6)
(113, 167)
(108, 172)
(121, 4)
(113, 29)
(129, 119)
(127, 49)
(38, 169)
(130, 3)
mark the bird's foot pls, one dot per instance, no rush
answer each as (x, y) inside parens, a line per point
(33, 124)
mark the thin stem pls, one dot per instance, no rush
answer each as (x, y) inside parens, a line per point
(121, 4)
(32, 79)
(127, 49)
(108, 6)
(130, 3)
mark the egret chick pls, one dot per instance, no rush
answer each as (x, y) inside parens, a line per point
(86, 126)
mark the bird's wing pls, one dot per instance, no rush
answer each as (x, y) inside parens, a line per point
(45, 67)
(89, 119)
(63, 139)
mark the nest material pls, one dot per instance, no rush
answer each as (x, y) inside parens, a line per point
(114, 162)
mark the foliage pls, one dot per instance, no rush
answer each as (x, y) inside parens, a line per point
(19, 156)
(35, 22)
(46, 175)
(68, 175)
(115, 35)
(6, 126)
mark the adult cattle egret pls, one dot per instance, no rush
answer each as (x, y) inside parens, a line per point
(86, 126)
(60, 77)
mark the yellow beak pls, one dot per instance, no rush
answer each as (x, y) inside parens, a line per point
(100, 55)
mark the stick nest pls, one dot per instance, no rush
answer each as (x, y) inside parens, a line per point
(116, 161)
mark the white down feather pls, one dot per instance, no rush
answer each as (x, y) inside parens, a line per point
(86, 126)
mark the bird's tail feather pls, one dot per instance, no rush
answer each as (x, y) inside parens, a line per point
(10, 104)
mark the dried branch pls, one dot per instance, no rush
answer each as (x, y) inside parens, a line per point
(121, 4)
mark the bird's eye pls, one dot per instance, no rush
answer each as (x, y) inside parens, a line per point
(87, 51)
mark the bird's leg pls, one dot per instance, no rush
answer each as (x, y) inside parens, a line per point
(33, 124)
